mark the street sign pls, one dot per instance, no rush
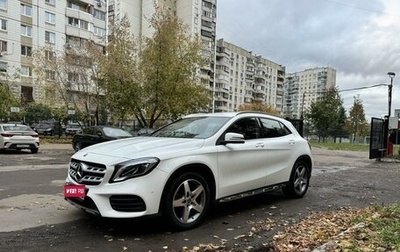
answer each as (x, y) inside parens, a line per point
(397, 113)
(393, 122)
(71, 112)
(15, 109)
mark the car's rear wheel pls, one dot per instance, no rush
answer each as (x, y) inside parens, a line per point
(187, 201)
(299, 180)
(34, 150)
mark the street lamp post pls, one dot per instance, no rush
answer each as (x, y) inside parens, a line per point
(389, 145)
(302, 106)
(391, 75)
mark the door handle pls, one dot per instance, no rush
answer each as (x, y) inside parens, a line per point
(260, 145)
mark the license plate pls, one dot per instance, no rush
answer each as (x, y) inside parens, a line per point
(74, 191)
(22, 145)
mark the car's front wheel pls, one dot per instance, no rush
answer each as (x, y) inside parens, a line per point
(34, 150)
(187, 201)
(299, 180)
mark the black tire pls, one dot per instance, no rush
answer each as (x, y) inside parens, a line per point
(299, 181)
(187, 201)
(77, 146)
(34, 150)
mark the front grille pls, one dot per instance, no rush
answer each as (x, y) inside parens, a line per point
(127, 203)
(86, 173)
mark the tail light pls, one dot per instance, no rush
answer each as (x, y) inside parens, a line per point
(6, 135)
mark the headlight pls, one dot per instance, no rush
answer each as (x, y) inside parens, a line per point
(134, 168)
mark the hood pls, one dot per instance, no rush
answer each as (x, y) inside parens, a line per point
(136, 147)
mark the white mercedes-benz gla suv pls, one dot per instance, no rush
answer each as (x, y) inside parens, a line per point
(182, 168)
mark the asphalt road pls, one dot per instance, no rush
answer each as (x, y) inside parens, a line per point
(34, 216)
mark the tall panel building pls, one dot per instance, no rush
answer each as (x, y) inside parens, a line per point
(27, 25)
(243, 78)
(304, 87)
(198, 15)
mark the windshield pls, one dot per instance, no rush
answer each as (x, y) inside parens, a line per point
(193, 127)
(73, 126)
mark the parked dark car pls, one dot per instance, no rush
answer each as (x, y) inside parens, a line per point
(144, 132)
(48, 128)
(97, 134)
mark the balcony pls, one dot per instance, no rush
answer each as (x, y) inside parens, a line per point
(79, 14)
(77, 32)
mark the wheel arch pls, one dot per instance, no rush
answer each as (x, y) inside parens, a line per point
(307, 159)
(201, 169)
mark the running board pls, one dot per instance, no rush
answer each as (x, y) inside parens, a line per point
(252, 193)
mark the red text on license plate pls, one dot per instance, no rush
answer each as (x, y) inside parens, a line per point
(74, 191)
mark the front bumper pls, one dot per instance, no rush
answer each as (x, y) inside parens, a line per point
(132, 198)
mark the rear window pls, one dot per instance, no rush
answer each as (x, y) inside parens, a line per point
(16, 128)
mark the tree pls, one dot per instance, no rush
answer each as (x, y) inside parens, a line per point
(7, 99)
(35, 112)
(356, 122)
(169, 63)
(119, 73)
(326, 115)
(68, 77)
(256, 106)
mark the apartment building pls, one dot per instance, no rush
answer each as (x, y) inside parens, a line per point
(243, 77)
(198, 15)
(304, 87)
(28, 25)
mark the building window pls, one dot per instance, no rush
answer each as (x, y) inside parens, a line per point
(49, 55)
(50, 17)
(3, 24)
(27, 94)
(26, 30)
(3, 4)
(73, 21)
(73, 77)
(50, 37)
(78, 23)
(3, 46)
(3, 67)
(26, 50)
(50, 75)
(99, 15)
(51, 2)
(26, 71)
(26, 10)
(99, 31)
(84, 25)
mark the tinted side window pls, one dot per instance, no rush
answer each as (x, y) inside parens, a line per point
(89, 131)
(249, 127)
(272, 128)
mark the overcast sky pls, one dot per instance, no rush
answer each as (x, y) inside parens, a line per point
(359, 38)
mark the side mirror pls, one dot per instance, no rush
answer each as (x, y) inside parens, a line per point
(234, 138)
(99, 134)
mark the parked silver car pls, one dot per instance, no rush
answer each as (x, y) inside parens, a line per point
(18, 137)
(72, 129)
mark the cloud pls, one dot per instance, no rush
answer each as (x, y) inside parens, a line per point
(358, 38)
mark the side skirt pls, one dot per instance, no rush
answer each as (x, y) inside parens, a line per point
(253, 192)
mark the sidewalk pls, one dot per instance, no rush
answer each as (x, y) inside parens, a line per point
(55, 146)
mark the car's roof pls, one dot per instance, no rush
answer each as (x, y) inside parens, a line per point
(103, 126)
(13, 124)
(232, 114)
